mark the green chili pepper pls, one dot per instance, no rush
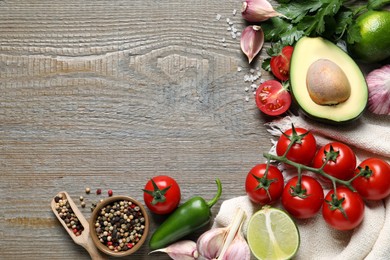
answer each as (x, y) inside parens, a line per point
(190, 216)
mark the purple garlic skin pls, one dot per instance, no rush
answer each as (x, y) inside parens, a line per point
(378, 82)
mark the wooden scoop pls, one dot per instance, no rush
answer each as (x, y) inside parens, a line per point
(84, 239)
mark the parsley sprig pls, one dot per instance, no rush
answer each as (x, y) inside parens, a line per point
(330, 19)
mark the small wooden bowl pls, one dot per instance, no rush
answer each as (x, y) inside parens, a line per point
(95, 214)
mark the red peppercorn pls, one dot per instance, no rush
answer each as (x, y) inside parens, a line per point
(129, 245)
(75, 230)
(110, 193)
(98, 191)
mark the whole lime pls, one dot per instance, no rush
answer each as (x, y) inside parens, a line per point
(374, 28)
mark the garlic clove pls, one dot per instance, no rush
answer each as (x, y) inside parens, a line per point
(182, 250)
(258, 10)
(210, 243)
(252, 40)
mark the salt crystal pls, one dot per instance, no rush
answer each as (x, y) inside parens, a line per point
(239, 68)
(254, 93)
(234, 36)
(218, 17)
(246, 98)
(227, 20)
(246, 89)
(234, 29)
(252, 71)
(253, 86)
(230, 23)
(224, 44)
(234, 12)
(246, 78)
(223, 39)
(229, 28)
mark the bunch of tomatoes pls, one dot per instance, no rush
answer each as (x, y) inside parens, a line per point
(303, 195)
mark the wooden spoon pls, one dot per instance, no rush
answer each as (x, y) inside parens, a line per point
(84, 239)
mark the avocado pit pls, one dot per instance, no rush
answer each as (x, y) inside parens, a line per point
(327, 83)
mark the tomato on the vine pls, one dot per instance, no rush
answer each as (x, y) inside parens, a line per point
(264, 188)
(273, 98)
(341, 162)
(162, 194)
(280, 63)
(304, 148)
(374, 181)
(303, 201)
(343, 210)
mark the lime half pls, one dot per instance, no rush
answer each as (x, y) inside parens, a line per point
(272, 234)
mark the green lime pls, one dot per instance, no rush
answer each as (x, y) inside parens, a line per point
(272, 234)
(374, 28)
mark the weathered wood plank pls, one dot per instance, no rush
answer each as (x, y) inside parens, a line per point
(107, 94)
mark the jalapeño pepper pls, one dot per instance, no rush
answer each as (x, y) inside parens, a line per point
(190, 216)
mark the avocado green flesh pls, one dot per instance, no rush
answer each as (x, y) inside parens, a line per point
(308, 50)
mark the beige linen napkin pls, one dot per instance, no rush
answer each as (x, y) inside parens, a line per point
(369, 137)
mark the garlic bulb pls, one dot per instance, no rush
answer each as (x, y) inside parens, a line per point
(258, 10)
(225, 243)
(252, 40)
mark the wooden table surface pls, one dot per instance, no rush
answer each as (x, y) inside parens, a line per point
(106, 94)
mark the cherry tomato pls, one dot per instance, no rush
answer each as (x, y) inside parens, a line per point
(162, 194)
(301, 151)
(374, 183)
(342, 160)
(261, 188)
(272, 98)
(305, 201)
(344, 212)
(280, 64)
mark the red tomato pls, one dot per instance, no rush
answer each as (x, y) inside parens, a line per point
(342, 160)
(272, 98)
(348, 202)
(162, 194)
(374, 183)
(303, 202)
(301, 151)
(264, 189)
(280, 64)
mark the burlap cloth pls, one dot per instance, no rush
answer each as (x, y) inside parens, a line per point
(368, 137)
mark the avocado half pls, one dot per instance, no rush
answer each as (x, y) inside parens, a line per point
(306, 52)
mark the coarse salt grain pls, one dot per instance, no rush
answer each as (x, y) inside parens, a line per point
(246, 98)
(234, 12)
(218, 17)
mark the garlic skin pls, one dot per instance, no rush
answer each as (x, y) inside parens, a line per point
(258, 10)
(182, 250)
(252, 40)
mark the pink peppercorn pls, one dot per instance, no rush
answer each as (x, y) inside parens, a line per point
(110, 193)
(98, 191)
(129, 245)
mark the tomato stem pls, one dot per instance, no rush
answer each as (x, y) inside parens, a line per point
(319, 171)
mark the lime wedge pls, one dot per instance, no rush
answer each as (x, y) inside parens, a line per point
(272, 234)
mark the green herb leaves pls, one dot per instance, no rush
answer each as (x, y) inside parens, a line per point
(327, 18)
